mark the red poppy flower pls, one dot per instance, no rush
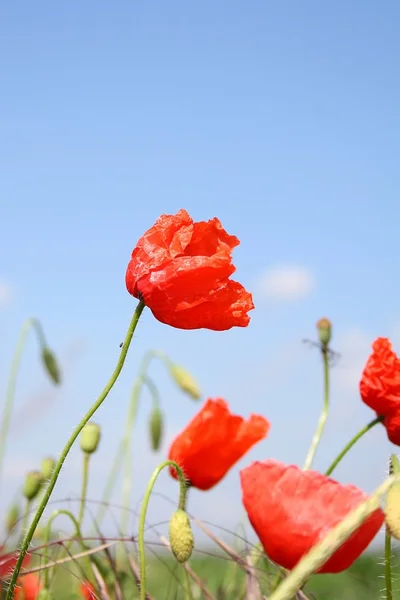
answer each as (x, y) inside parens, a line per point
(380, 386)
(380, 381)
(181, 269)
(292, 510)
(28, 587)
(213, 442)
(8, 562)
(87, 591)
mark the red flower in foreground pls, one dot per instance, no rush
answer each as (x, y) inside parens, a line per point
(87, 591)
(213, 442)
(28, 588)
(8, 562)
(380, 386)
(181, 269)
(292, 510)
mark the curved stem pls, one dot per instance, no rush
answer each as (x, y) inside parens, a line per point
(47, 530)
(324, 414)
(28, 538)
(12, 382)
(143, 512)
(85, 477)
(388, 565)
(351, 443)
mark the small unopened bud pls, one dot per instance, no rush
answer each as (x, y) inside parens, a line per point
(324, 327)
(90, 437)
(156, 428)
(51, 365)
(32, 485)
(12, 517)
(45, 595)
(181, 536)
(185, 381)
(47, 466)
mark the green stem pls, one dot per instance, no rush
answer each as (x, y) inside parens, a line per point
(123, 448)
(388, 565)
(85, 477)
(143, 512)
(188, 587)
(28, 538)
(47, 530)
(324, 414)
(351, 443)
(12, 381)
(26, 515)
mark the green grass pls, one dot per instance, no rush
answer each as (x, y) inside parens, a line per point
(363, 581)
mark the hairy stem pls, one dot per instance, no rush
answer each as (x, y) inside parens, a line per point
(143, 513)
(53, 480)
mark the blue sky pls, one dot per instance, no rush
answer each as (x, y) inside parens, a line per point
(279, 118)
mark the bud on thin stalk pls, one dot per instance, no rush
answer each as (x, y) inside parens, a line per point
(185, 381)
(90, 437)
(32, 485)
(156, 428)
(324, 327)
(47, 467)
(181, 536)
(51, 365)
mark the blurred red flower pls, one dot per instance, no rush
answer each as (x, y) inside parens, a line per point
(213, 442)
(87, 591)
(181, 269)
(380, 386)
(8, 561)
(28, 588)
(292, 510)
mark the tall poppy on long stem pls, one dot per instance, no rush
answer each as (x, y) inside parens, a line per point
(181, 270)
(291, 510)
(213, 442)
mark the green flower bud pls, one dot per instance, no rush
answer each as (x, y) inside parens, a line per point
(32, 485)
(90, 437)
(45, 595)
(156, 428)
(51, 365)
(324, 327)
(47, 466)
(12, 517)
(181, 536)
(185, 381)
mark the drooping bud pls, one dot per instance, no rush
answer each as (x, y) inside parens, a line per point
(156, 428)
(12, 517)
(32, 485)
(324, 327)
(185, 381)
(47, 466)
(181, 536)
(90, 437)
(51, 365)
(392, 509)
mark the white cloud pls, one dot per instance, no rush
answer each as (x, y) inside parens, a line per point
(5, 293)
(286, 282)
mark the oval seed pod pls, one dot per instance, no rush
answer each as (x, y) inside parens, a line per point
(181, 536)
(185, 381)
(51, 365)
(156, 428)
(90, 437)
(324, 327)
(32, 485)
